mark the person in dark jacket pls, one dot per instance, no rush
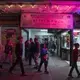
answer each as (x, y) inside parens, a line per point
(44, 58)
(27, 49)
(18, 52)
(31, 54)
(74, 60)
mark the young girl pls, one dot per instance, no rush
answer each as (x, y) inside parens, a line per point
(44, 58)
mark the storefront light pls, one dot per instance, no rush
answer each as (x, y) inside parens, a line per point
(65, 33)
(9, 6)
(21, 6)
(44, 30)
(76, 30)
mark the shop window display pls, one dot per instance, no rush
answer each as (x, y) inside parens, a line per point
(76, 37)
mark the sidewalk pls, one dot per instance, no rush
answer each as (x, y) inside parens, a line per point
(58, 70)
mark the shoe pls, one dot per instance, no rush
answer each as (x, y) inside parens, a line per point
(30, 64)
(35, 67)
(39, 71)
(78, 76)
(70, 76)
(10, 72)
(23, 75)
(46, 72)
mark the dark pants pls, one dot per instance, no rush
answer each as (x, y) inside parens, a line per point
(26, 54)
(45, 64)
(74, 65)
(31, 56)
(18, 60)
(0, 66)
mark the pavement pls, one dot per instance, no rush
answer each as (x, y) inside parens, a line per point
(58, 70)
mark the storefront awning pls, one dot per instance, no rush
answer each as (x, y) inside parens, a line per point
(41, 7)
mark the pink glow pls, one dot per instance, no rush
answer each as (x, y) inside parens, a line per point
(54, 8)
(33, 20)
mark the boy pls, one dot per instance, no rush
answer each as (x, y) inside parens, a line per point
(74, 60)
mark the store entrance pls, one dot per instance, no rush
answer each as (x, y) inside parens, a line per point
(58, 41)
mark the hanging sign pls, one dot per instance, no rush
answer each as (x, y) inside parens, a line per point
(47, 20)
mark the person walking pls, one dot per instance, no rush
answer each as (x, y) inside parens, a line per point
(74, 60)
(31, 53)
(27, 48)
(18, 52)
(44, 58)
(36, 52)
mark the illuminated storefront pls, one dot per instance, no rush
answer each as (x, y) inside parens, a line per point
(45, 15)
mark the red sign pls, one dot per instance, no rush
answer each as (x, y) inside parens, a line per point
(48, 20)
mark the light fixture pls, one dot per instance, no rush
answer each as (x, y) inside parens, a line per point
(21, 5)
(76, 30)
(64, 33)
(44, 30)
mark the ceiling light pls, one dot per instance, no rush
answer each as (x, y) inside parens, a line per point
(76, 30)
(43, 30)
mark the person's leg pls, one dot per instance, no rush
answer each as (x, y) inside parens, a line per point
(25, 55)
(13, 65)
(30, 59)
(10, 59)
(0, 65)
(6, 55)
(21, 66)
(36, 60)
(76, 68)
(39, 68)
(46, 65)
(71, 70)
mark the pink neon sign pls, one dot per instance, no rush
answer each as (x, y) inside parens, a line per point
(48, 20)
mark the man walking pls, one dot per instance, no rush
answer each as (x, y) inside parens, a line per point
(74, 60)
(18, 51)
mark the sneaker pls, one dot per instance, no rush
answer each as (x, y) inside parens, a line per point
(46, 72)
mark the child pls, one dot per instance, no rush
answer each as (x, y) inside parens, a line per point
(44, 58)
(74, 60)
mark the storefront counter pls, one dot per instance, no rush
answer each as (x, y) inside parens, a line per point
(65, 53)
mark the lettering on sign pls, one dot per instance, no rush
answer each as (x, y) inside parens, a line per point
(39, 20)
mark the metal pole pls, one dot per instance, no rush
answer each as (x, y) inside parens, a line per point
(71, 45)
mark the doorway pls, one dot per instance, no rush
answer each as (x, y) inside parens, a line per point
(53, 37)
